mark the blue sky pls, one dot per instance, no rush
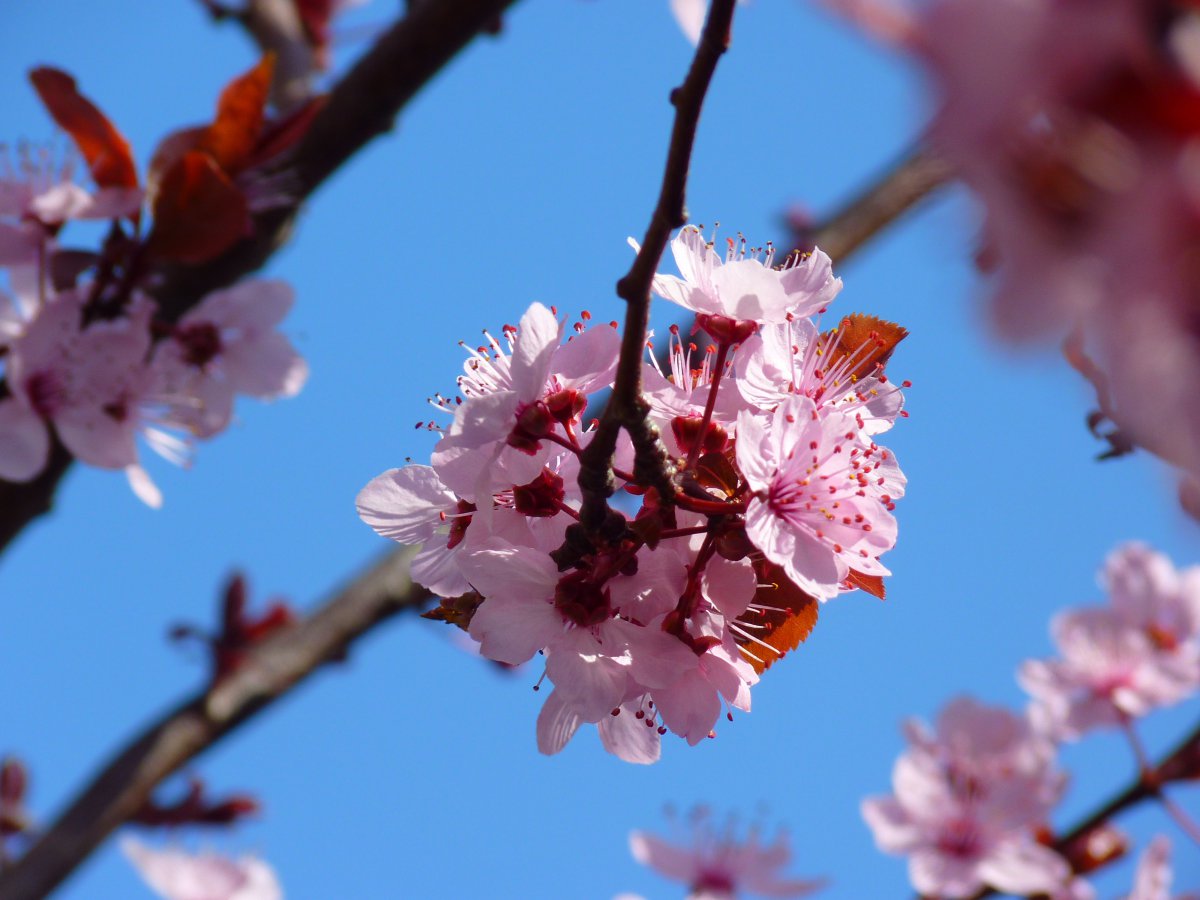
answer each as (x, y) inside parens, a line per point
(411, 770)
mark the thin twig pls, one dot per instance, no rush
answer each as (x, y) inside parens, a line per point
(270, 670)
(626, 407)
(363, 105)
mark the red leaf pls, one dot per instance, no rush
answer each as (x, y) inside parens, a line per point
(872, 584)
(788, 618)
(198, 212)
(234, 133)
(105, 149)
(874, 337)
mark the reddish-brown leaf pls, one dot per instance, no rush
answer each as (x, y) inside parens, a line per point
(455, 610)
(872, 584)
(105, 149)
(234, 133)
(198, 212)
(880, 336)
(282, 134)
(789, 618)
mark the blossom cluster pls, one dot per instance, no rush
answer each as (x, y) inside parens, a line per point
(1076, 125)
(781, 498)
(973, 796)
(87, 356)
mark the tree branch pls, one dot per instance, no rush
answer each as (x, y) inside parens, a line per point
(363, 105)
(271, 670)
(626, 407)
(1180, 764)
(899, 189)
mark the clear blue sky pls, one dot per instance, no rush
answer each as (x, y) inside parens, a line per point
(516, 176)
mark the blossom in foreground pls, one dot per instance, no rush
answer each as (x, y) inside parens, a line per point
(663, 621)
(1083, 154)
(716, 865)
(968, 801)
(175, 874)
(1121, 661)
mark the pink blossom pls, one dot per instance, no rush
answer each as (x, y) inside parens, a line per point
(1149, 594)
(592, 655)
(1153, 878)
(814, 511)
(1084, 157)
(228, 344)
(37, 195)
(1108, 673)
(717, 866)
(177, 875)
(967, 800)
(745, 287)
(793, 358)
(412, 506)
(513, 401)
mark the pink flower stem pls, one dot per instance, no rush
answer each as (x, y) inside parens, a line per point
(687, 601)
(709, 507)
(562, 507)
(718, 371)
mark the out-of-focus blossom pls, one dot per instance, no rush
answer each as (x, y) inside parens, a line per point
(717, 865)
(968, 800)
(1153, 878)
(1121, 661)
(175, 874)
(1085, 156)
(226, 345)
(38, 194)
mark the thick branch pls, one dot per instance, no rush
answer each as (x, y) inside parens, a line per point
(879, 204)
(270, 671)
(626, 408)
(362, 106)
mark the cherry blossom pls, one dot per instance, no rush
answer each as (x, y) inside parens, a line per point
(1121, 661)
(1083, 155)
(745, 287)
(175, 874)
(38, 194)
(1108, 673)
(646, 628)
(811, 511)
(716, 865)
(512, 402)
(1153, 878)
(967, 801)
(228, 344)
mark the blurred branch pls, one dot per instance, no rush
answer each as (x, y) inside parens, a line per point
(902, 187)
(363, 105)
(270, 671)
(626, 407)
(1180, 764)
